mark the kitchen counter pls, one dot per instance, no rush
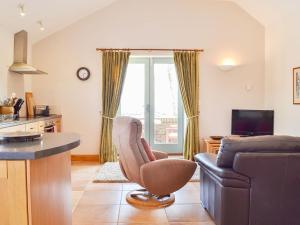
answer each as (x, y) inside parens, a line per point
(24, 120)
(49, 144)
(35, 180)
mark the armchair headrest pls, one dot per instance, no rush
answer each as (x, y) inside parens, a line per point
(125, 125)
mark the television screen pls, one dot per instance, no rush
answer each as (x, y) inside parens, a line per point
(252, 122)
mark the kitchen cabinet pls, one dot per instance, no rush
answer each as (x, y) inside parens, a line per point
(38, 124)
(35, 181)
(32, 127)
(41, 126)
(14, 129)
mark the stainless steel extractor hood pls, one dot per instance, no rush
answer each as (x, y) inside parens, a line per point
(20, 56)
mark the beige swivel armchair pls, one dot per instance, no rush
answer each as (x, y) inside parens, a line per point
(160, 177)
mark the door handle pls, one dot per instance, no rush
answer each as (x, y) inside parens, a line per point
(148, 108)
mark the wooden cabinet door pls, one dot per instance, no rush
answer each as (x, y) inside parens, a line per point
(13, 193)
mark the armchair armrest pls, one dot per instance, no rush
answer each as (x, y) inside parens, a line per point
(160, 155)
(162, 177)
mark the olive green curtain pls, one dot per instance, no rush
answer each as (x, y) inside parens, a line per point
(114, 65)
(187, 67)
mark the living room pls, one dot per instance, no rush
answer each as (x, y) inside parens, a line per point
(241, 54)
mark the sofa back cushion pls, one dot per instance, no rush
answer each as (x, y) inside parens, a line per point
(267, 144)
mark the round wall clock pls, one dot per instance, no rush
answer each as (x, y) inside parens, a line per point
(83, 73)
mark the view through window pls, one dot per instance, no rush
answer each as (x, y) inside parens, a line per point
(151, 94)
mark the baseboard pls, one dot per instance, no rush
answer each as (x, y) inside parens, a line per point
(85, 158)
(95, 158)
(175, 154)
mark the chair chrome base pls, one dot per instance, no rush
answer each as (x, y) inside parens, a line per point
(142, 198)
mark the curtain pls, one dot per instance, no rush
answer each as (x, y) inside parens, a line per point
(114, 65)
(187, 68)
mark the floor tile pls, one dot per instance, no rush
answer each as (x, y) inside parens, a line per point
(123, 200)
(98, 223)
(191, 186)
(85, 169)
(79, 185)
(131, 186)
(130, 214)
(192, 223)
(187, 213)
(95, 214)
(189, 194)
(187, 197)
(76, 196)
(99, 203)
(143, 223)
(104, 187)
(100, 197)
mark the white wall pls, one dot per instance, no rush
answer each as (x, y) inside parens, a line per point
(6, 46)
(10, 82)
(221, 28)
(282, 55)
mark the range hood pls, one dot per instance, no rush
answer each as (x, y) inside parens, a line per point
(20, 56)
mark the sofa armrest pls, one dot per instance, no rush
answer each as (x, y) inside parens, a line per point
(160, 155)
(208, 162)
(162, 177)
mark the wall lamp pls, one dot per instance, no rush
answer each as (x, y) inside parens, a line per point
(21, 10)
(227, 64)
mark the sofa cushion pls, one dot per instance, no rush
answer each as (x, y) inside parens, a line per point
(148, 150)
(272, 144)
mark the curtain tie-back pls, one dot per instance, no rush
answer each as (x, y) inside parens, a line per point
(192, 117)
(107, 117)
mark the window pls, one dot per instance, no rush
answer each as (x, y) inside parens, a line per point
(151, 94)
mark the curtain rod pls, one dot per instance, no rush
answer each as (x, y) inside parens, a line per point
(148, 49)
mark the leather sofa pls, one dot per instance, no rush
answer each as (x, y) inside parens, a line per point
(252, 181)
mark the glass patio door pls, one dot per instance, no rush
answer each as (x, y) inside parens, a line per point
(151, 94)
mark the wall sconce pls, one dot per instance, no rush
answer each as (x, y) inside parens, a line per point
(40, 23)
(21, 10)
(227, 65)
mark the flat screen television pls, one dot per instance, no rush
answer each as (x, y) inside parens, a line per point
(252, 122)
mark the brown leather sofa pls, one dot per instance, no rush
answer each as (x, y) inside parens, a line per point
(252, 181)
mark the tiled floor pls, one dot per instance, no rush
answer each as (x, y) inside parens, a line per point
(105, 204)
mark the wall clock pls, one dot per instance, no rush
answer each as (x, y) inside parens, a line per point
(83, 73)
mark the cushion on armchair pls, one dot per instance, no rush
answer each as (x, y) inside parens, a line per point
(230, 146)
(148, 150)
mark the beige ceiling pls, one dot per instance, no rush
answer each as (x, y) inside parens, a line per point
(269, 12)
(55, 14)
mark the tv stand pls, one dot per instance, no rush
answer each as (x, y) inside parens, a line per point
(213, 145)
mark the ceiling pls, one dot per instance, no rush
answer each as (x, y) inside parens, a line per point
(269, 12)
(55, 14)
